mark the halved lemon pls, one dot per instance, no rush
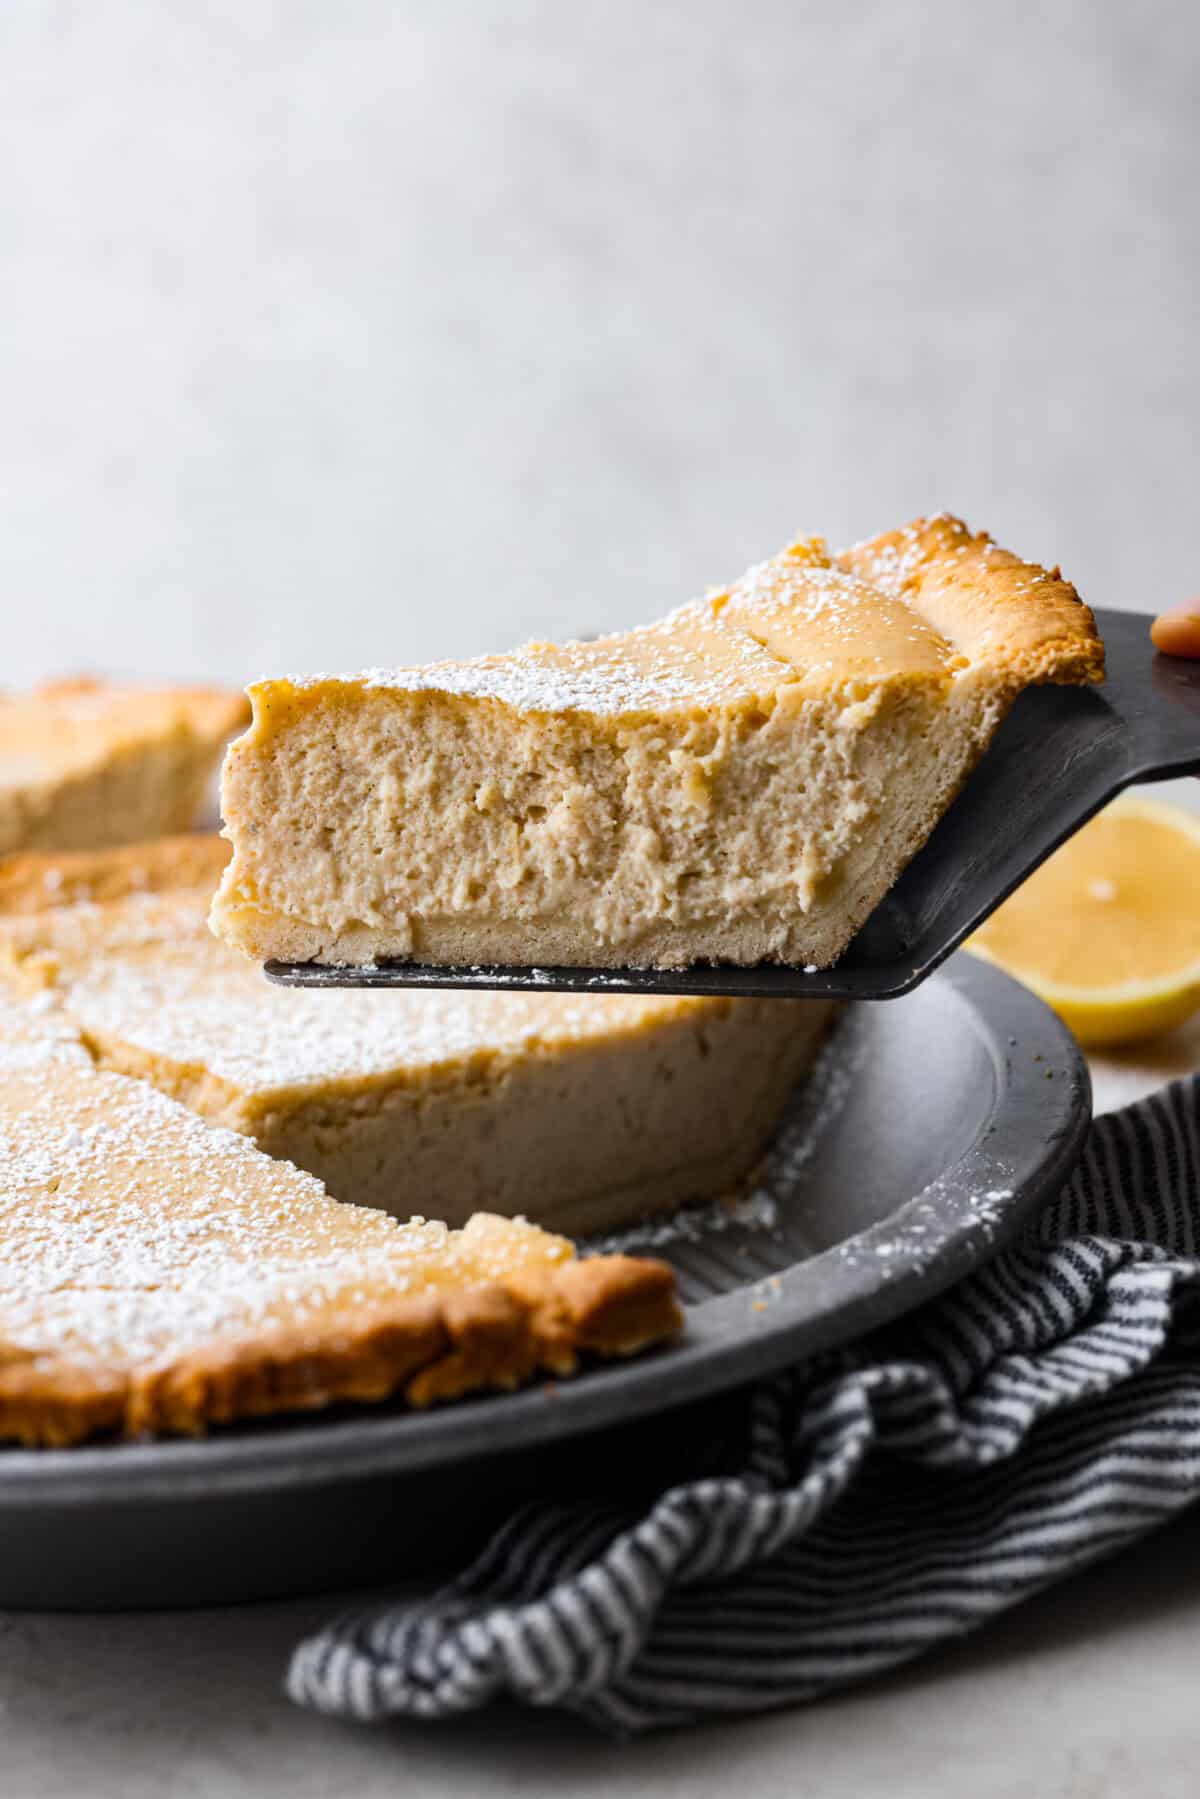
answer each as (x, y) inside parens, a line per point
(1108, 930)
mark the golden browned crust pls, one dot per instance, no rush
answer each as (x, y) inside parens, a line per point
(985, 600)
(428, 1348)
(51, 1407)
(210, 711)
(42, 881)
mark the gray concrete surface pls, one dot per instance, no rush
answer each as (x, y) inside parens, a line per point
(339, 335)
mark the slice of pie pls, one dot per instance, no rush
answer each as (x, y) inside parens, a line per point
(84, 764)
(158, 1275)
(580, 1112)
(741, 782)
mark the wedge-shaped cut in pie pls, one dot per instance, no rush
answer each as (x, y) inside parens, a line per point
(84, 764)
(159, 1275)
(580, 1112)
(53, 883)
(742, 782)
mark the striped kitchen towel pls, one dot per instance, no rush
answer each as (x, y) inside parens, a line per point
(1043, 1413)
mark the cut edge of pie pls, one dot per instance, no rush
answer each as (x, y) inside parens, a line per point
(741, 782)
(428, 1102)
(38, 881)
(161, 1275)
(87, 763)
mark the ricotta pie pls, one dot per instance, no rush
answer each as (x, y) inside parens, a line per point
(581, 1112)
(160, 1275)
(740, 782)
(84, 764)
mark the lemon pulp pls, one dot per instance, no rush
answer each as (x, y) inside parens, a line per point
(1108, 929)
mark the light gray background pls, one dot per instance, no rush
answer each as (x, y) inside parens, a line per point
(346, 334)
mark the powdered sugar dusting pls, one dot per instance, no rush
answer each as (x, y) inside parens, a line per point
(151, 974)
(132, 1230)
(706, 653)
(686, 659)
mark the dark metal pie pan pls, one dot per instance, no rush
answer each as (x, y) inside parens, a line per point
(935, 1126)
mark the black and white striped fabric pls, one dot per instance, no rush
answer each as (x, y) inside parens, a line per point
(1040, 1415)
